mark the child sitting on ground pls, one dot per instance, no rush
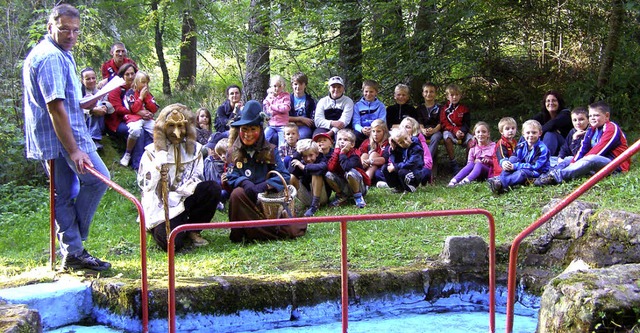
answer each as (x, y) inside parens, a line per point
(291, 139)
(307, 168)
(138, 98)
(367, 110)
(276, 105)
(214, 166)
(325, 143)
(480, 160)
(456, 123)
(402, 108)
(580, 120)
(603, 141)
(529, 161)
(405, 159)
(372, 150)
(413, 128)
(346, 176)
(203, 125)
(506, 145)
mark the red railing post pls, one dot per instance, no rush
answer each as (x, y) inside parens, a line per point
(515, 246)
(143, 235)
(344, 271)
(343, 248)
(52, 216)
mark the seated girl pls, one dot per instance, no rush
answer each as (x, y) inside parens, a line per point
(480, 161)
(372, 150)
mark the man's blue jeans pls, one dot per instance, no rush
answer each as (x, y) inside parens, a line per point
(587, 165)
(76, 201)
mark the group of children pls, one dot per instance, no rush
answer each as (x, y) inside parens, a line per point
(347, 162)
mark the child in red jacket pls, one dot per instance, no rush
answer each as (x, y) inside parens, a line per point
(506, 145)
(456, 123)
(346, 176)
(136, 99)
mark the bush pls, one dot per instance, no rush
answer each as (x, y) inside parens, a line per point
(15, 167)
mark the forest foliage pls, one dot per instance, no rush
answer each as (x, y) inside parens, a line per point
(503, 53)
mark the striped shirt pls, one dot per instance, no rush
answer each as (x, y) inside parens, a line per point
(49, 73)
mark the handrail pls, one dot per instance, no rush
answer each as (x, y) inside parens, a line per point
(143, 234)
(343, 253)
(513, 252)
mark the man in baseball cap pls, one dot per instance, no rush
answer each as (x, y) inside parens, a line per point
(333, 112)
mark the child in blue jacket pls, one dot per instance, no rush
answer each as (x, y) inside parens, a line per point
(529, 161)
(405, 160)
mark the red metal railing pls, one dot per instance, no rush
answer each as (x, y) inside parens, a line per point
(143, 234)
(515, 246)
(343, 253)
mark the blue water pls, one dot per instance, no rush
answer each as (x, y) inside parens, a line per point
(420, 323)
(408, 313)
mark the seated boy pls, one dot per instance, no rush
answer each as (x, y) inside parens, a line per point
(529, 161)
(302, 105)
(405, 161)
(346, 176)
(214, 165)
(366, 110)
(506, 145)
(307, 168)
(290, 139)
(428, 115)
(602, 142)
(456, 123)
(580, 120)
(402, 108)
(325, 143)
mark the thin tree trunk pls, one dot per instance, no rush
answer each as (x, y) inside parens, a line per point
(166, 83)
(608, 57)
(351, 54)
(257, 76)
(420, 47)
(188, 52)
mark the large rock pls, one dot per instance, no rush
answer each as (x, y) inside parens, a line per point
(600, 239)
(465, 251)
(614, 238)
(600, 300)
(18, 318)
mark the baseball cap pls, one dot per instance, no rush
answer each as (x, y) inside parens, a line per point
(336, 80)
(322, 135)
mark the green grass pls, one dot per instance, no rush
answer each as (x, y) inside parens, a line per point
(372, 245)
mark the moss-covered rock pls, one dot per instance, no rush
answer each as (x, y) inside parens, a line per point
(594, 300)
(18, 318)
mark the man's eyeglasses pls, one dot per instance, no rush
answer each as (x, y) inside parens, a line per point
(69, 31)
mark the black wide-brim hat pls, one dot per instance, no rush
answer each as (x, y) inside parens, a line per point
(251, 115)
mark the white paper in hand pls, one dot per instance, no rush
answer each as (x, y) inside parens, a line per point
(88, 102)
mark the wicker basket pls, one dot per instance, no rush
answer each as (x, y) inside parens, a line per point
(280, 204)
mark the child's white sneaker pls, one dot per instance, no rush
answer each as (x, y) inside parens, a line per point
(464, 181)
(360, 202)
(452, 183)
(124, 161)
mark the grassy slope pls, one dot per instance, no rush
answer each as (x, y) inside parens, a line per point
(372, 245)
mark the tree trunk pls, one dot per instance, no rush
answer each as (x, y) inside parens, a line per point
(188, 52)
(166, 82)
(615, 25)
(351, 54)
(420, 47)
(257, 76)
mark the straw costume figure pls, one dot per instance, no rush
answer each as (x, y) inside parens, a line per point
(175, 159)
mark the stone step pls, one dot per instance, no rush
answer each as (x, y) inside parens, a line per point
(64, 302)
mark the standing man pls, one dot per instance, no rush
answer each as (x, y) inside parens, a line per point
(55, 129)
(119, 57)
